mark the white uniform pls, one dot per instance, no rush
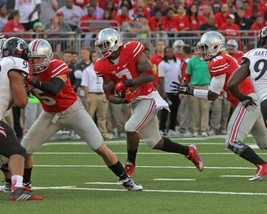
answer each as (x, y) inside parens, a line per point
(258, 67)
(7, 64)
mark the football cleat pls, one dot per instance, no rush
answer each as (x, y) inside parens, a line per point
(27, 187)
(6, 187)
(261, 172)
(131, 185)
(194, 156)
(129, 168)
(19, 195)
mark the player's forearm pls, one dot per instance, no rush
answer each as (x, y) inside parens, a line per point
(205, 94)
(53, 87)
(142, 79)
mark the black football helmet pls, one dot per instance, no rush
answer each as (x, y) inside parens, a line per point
(16, 47)
(262, 38)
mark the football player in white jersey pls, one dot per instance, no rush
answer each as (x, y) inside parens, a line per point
(254, 64)
(13, 69)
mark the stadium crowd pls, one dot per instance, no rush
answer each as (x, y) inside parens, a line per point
(174, 19)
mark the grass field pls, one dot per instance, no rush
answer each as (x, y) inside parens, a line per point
(73, 179)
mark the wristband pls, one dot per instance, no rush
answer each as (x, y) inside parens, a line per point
(201, 93)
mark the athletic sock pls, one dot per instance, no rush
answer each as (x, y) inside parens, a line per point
(251, 156)
(131, 156)
(170, 146)
(27, 175)
(118, 170)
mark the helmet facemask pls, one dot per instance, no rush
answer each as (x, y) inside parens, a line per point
(107, 42)
(40, 55)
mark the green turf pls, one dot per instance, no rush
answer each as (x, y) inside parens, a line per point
(71, 166)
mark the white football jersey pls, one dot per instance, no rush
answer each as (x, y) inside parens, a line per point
(258, 71)
(7, 64)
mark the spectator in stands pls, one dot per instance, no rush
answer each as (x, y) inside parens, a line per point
(195, 20)
(209, 25)
(96, 102)
(216, 8)
(248, 9)
(241, 20)
(38, 28)
(155, 22)
(123, 16)
(110, 6)
(206, 12)
(54, 29)
(182, 19)
(230, 29)
(168, 21)
(29, 12)
(82, 4)
(221, 17)
(258, 24)
(129, 5)
(48, 9)
(133, 28)
(13, 25)
(142, 5)
(84, 21)
(156, 8)
(72, 14)
(176, 4)
(3, 17)
(99, 12)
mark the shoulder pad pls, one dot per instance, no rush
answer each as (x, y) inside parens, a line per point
(134, 48)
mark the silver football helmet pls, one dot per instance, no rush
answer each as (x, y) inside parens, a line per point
(262, 38)
(210, 44)
(231, 45)
(178, 46)
(40, 48)
(107, 41)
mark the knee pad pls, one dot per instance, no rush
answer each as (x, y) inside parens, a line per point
(237, 147)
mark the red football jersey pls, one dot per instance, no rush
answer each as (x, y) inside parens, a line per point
(65, 98)
(126, 67)
(226, 64)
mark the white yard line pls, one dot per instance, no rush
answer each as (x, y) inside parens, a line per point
(153, 190)
(174, 179)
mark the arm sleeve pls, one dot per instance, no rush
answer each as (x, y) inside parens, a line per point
(217, 83)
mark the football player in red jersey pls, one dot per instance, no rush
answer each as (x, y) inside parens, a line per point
(232, 49)
(126, 69)
(62, 109)
(243, 120)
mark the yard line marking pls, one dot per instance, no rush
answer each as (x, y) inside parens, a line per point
(151, 167)
(104, 183)
(235, 176)
(173, 179)
(139, 153)
(156, 191)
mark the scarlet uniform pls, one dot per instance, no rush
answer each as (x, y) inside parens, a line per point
(238, 56)
(225, 64)
(147, 101)
(64, 98)
(126, 67)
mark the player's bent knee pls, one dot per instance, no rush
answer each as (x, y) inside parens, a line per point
(237, 147)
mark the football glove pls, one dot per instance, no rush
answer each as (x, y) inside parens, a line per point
(247, 101)
(181, 89)
(119, 88)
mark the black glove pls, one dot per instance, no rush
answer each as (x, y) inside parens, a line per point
(183, 89)
(247, 101)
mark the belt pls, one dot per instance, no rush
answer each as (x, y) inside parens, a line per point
(95, 92)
